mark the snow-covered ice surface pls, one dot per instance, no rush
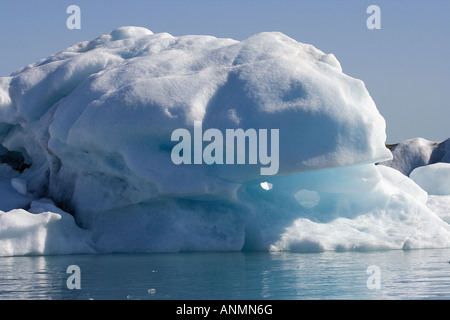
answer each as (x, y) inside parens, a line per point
(88, 131)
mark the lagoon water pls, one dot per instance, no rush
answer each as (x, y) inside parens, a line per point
(394, 274)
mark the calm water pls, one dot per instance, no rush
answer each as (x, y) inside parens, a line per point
(416, 274)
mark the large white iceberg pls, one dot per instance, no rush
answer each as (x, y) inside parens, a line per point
(90, 128)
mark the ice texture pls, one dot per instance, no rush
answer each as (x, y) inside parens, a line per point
(88, 131)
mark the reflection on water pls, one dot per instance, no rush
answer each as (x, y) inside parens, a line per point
(416, 274)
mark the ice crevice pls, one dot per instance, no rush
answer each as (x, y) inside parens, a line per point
(88, 131)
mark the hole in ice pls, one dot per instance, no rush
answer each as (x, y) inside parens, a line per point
(15, 159)
(307, 198)
(266, 185)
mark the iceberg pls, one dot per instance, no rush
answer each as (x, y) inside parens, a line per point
(86, 152)
(417, 152)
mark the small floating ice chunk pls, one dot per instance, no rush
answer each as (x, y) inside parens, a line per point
(152, 291)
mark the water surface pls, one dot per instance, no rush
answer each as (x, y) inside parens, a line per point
(415, 274)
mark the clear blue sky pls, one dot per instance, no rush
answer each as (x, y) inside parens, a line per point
(405, 65)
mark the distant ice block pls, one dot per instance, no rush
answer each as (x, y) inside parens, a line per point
(413, 153)
(433, 178)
